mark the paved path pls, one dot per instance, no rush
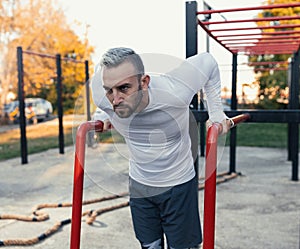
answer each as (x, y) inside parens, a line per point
(259, 210)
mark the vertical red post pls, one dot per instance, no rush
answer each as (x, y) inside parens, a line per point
(210, 186)
(210, 180)
(78, 179)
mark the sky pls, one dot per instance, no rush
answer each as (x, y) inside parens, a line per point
(156, 26)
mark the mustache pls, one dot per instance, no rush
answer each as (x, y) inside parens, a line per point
(121, 105)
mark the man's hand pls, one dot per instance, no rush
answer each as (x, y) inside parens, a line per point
(107, 125)
(226, 124)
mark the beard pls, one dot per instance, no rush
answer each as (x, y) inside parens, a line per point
(125, 110)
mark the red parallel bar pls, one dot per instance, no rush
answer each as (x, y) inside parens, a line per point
(266, 19)
(267, 52)
(259, 52)
(210, 180)
(287, 26)
(211, 35)
(78, 179)
(263, 38)
(262, 47)
(262, 44)
(273, 6)
(260, 34)
(275, 46)
(240, 118)
(248, 35)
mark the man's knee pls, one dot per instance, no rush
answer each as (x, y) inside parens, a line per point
(153, 245)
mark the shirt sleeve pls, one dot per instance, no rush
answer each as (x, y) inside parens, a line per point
(98, 94)
(208, 78)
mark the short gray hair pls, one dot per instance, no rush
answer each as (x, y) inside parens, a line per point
(115, 56)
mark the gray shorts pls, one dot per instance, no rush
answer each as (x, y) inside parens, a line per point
(174, 213)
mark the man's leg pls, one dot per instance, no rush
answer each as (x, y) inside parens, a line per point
(180, 216)
(153, 245)
(146, 223)
(145, 214)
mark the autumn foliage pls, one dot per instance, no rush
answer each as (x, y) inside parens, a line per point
(40, 26)
(274, 83)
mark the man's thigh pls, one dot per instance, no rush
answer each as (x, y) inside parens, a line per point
(146, 220)
(180, 217)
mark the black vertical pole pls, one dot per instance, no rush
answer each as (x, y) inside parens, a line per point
(87, 90)
(21, 98)
(202, 128)
(59, 103)
(289, 133)
(87, 94)
(202, 124)
(232, 163)
(191, 48)
(294, 99)
(191, 39)
(191, 28)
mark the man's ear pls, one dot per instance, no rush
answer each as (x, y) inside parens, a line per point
(145, 80)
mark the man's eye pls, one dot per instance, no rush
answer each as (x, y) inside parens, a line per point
(124, 88)
(108, 91)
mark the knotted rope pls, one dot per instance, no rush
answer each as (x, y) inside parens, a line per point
(38, 216)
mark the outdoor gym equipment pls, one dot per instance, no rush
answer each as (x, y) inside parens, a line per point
(210, 179)
(78, 178)
(59, 81)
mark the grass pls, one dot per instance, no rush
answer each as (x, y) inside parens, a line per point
(262, 135)
(44, 136)
(40, 137)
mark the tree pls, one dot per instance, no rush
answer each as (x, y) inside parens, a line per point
(273, 82)
(7, 21)
(38, 26)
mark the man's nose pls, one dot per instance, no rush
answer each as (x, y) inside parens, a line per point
(117, 97)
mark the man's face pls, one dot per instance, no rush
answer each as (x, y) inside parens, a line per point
(123, 89)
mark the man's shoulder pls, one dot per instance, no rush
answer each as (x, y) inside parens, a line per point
(162, 81)
(205, 57)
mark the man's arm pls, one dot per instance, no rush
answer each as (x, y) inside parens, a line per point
(208, 66)
(103, 116)
(99, 98)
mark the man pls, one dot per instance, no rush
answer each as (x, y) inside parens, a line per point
(152, 113)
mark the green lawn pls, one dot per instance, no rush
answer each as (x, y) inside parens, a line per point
(37, 140)
(41, 138)
(262, 135)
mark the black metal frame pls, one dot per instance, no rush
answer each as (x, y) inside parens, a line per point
(21, 97)
(290, 116)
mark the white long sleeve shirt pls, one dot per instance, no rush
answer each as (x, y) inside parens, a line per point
(158, 137)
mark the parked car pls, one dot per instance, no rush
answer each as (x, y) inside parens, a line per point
(41, 107)
(36, 109)
(9, 108)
